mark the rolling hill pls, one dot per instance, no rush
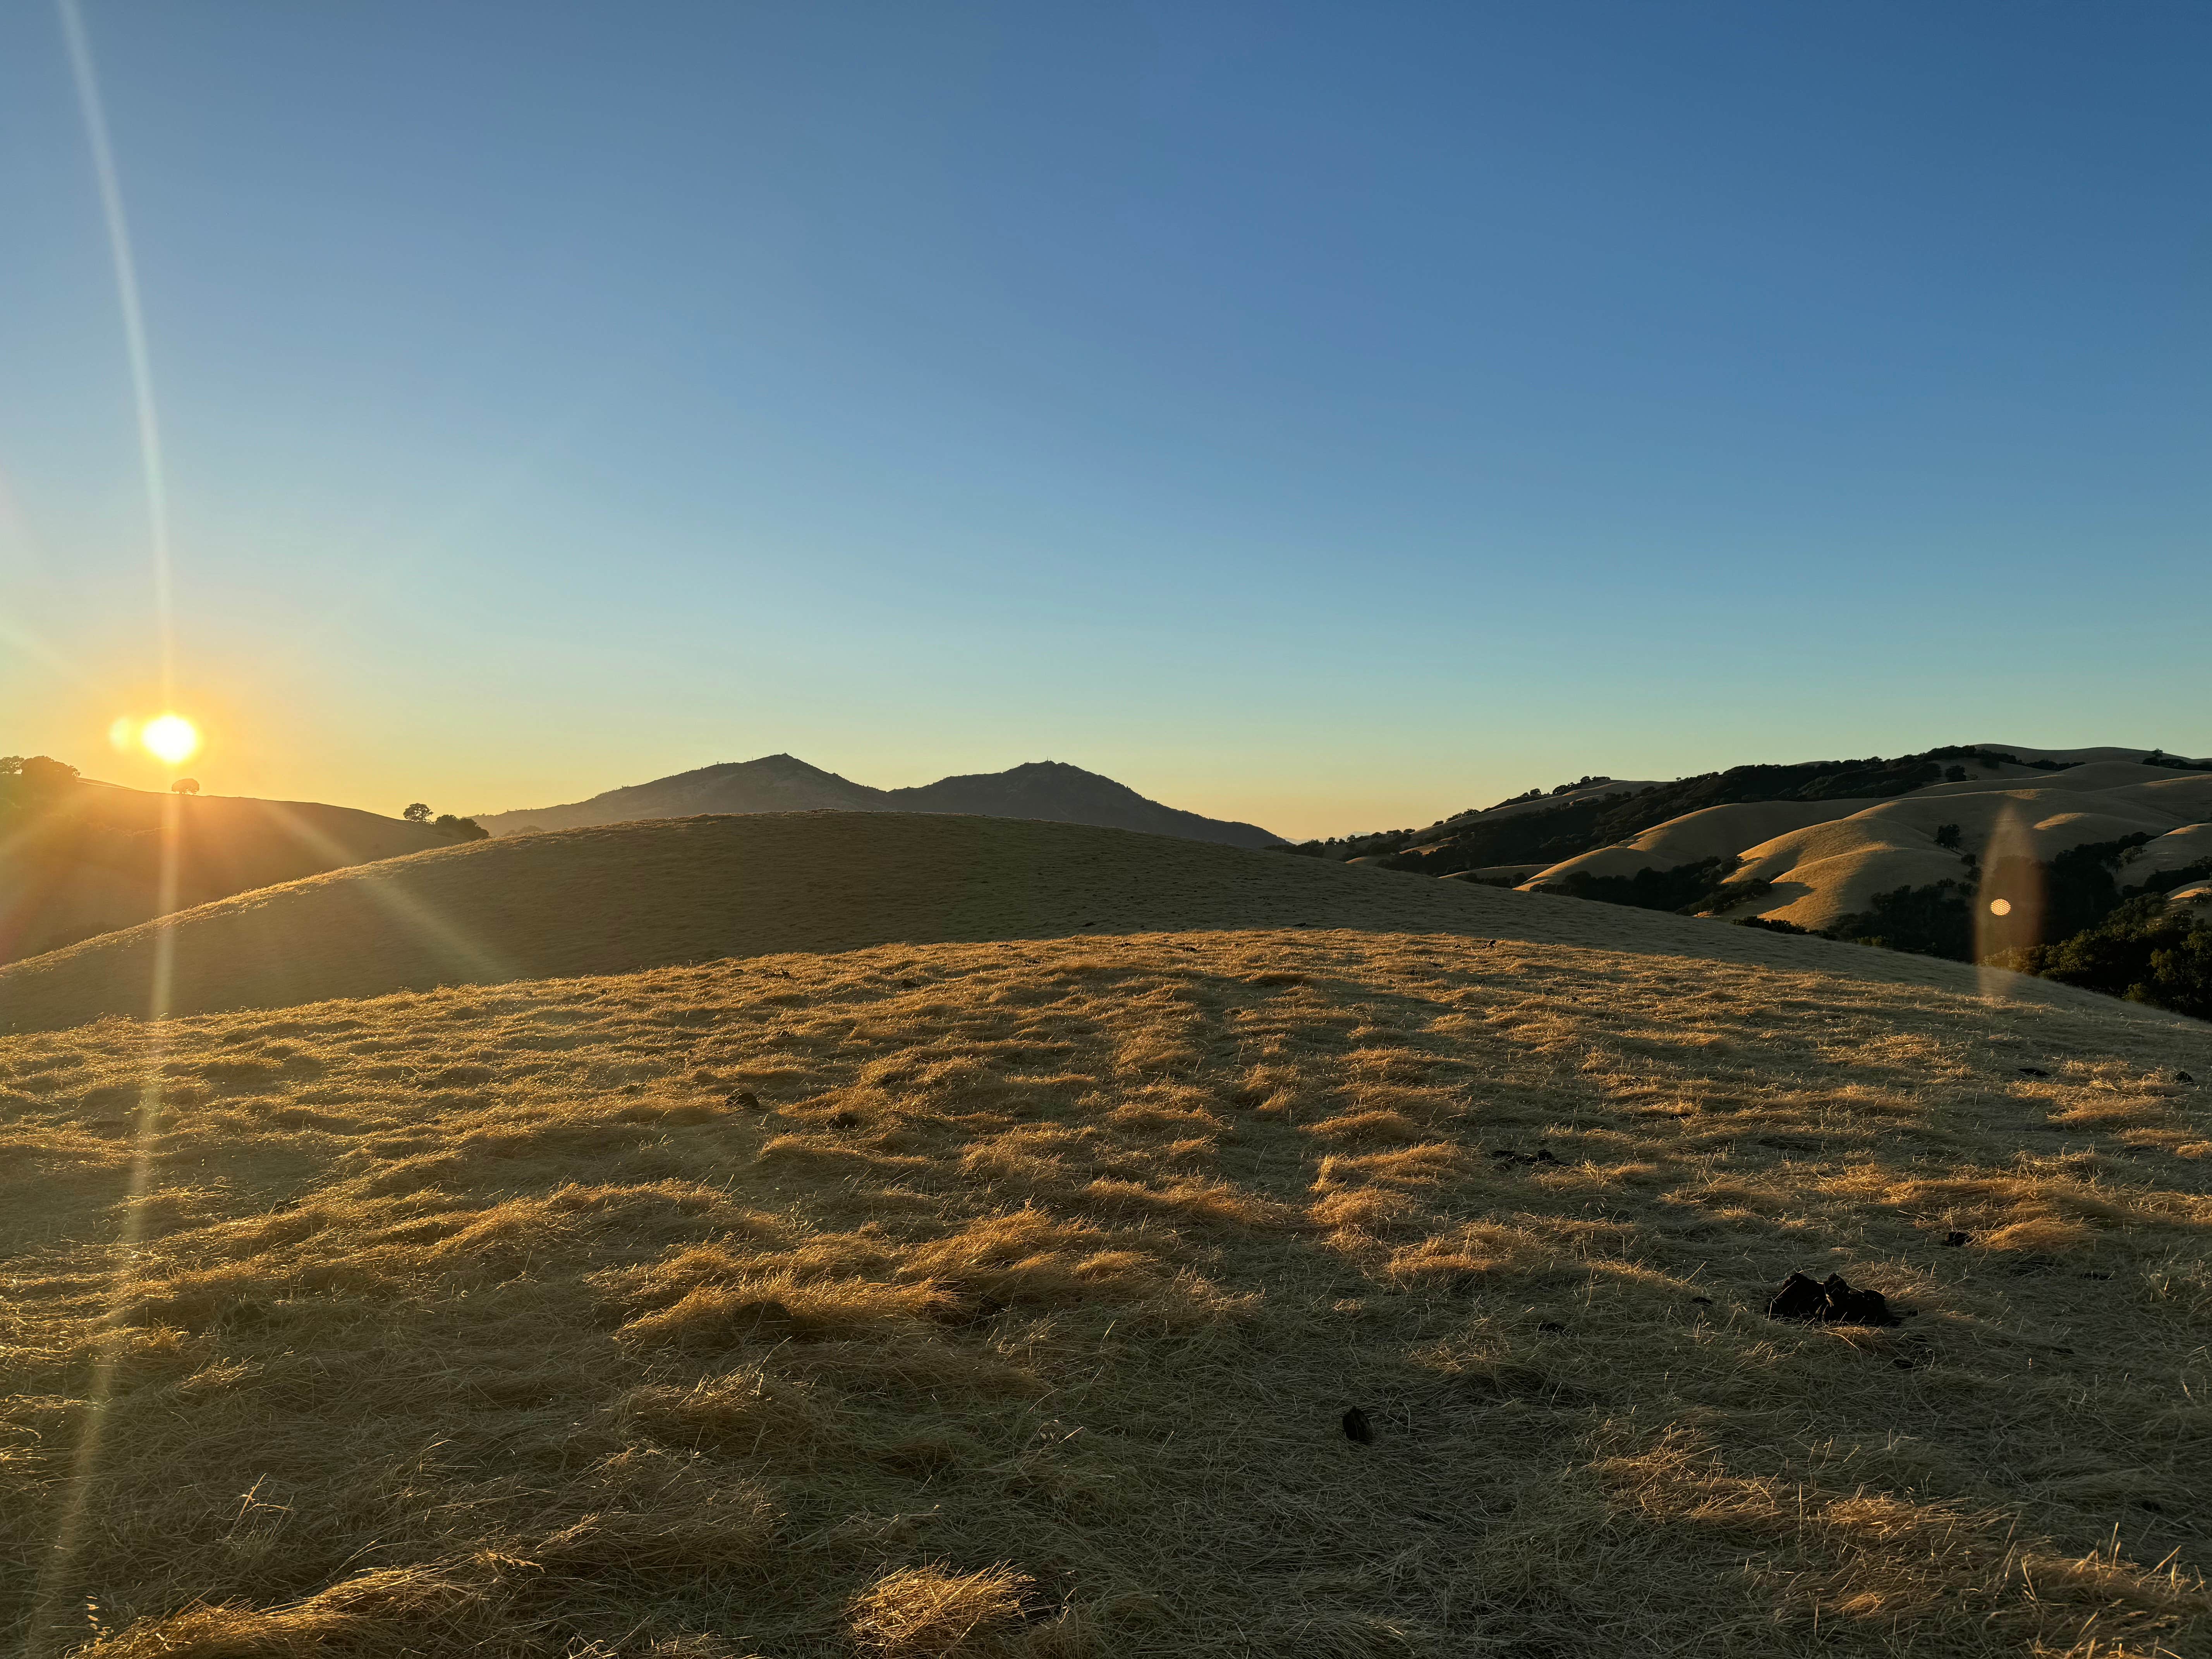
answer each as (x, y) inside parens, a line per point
(82, 858)
(782, 783)
(1815, 863)
(1916, 852)
(1028, 1240)
(624, 897)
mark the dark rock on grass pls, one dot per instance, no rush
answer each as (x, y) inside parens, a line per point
(1506, 1155)
(1830, 1302)
(1357, 1427)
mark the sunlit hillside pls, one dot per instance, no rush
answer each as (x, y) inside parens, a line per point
(80, 857)
(1814, 863)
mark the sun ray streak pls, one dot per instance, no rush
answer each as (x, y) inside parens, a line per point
(485, 964)
(134, 335)
(49, 1633)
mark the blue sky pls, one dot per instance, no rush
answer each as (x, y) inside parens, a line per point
(1329, 415)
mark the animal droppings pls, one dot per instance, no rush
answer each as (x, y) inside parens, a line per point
(1507, 1155)
(1358, 1428)
(1830, 1302)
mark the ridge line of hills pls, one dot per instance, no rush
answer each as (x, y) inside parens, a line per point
(1052, 790)
(2094, 866)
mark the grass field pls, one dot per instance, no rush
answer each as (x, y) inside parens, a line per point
(1008, 1297)
(622, 898)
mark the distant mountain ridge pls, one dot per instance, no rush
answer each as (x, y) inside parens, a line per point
(1049, 790)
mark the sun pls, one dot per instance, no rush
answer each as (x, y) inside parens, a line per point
(172, 737)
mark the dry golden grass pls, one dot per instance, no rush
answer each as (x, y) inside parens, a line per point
(1006, 1298)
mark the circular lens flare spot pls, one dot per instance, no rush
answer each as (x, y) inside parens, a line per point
(1999, 907)
(172, 737)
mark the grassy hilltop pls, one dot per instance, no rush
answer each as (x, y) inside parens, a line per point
(932, 1271)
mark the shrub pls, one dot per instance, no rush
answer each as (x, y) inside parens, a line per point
(1936, 921)
(1686, 887)
(2168, 880)
(2145, 951)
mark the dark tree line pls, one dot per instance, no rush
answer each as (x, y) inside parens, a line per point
(458, 829)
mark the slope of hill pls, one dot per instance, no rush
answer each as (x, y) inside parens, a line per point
(782, 783)
(616, 898)
(1542, 831)
(82, 858)
(1841, 855)
(1394, 1288)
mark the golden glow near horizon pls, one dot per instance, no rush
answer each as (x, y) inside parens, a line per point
(170, 737)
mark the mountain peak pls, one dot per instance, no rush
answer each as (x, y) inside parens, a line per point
(1047, 789)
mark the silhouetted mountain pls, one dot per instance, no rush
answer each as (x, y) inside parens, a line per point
(774, 783)
(1068, 794)
(782, 783)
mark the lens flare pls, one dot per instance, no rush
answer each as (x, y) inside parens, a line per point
(172, 737)
(2008, 908)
